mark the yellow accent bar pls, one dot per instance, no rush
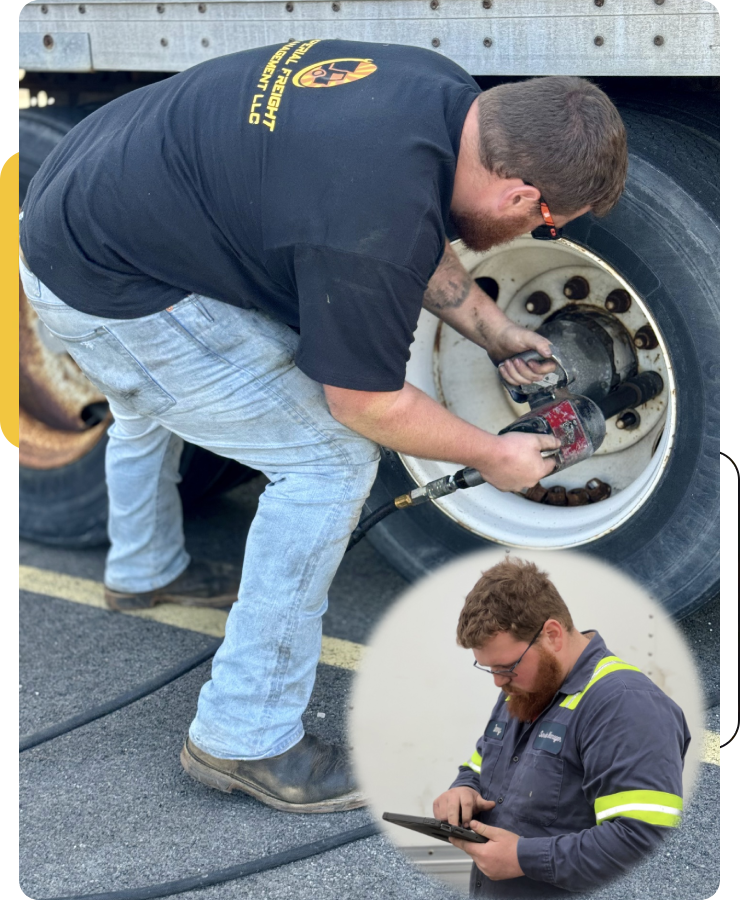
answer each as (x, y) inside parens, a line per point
(653, 807)
(604, 667)
(474, 762)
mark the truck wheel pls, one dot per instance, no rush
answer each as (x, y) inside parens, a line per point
(660, 523)
(63, 418)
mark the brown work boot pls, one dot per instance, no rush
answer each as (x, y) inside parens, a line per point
(208, 584)
(312, 777)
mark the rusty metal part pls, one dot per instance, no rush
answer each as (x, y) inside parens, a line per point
(618, 301)
(556, 496)
(594, 491)
(536, 493)
(538, 303)
(628, 420)
(598, 490)
(645, 338)
(576, 288)
(53, 398)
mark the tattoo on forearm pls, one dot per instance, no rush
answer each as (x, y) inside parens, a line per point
(450, 285)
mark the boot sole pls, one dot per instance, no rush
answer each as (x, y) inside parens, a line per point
(221, 781)
(124, 603)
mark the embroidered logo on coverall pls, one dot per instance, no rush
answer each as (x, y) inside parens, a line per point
(550, 737)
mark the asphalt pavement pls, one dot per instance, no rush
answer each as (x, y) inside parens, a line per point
(108, 807)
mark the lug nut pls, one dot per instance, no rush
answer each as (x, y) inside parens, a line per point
(645, 338)
(628, 421)
(597, 490)
(536, 493)
(578, 497)
(556, 496)
(576, 288)
(538, 303)
(618, 301)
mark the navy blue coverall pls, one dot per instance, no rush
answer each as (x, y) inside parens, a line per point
(591, 786)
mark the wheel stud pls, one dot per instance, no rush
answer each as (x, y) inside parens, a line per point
(576, 288)
(618, 301)
(645, 338)
(538, 303)
(629, 420)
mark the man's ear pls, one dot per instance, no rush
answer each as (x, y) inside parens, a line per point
(517, 196)
(554, 634)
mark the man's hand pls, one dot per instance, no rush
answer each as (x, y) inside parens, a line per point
(498, 858)
(519, 464)
(513, 339)
(458, 806)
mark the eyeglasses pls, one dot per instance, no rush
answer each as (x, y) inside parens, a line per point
(548, 231)
(510, 669)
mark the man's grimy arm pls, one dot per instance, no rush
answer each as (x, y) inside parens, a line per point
(453, 296)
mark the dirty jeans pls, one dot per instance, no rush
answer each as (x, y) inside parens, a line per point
(225, 378)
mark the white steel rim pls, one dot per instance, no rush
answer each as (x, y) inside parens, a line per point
(459, 375)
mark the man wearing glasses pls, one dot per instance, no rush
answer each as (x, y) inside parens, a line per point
(237, 256)
(578, 773)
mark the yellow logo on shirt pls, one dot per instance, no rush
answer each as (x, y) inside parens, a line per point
(332, 72)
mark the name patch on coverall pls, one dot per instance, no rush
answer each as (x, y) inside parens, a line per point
(550, 736)
(495, 730)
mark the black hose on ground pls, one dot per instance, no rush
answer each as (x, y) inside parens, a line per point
(128, 697)
(168, 888)
(192, 662)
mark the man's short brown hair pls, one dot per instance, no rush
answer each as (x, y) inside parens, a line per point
(562, 134)
(513, 596)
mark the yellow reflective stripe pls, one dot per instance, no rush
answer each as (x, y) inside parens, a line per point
(474, 762)
(654, 807)
(604, 667)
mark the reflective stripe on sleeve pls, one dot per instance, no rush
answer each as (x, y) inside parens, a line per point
(653, 807)
(474, 762)
(604, 667)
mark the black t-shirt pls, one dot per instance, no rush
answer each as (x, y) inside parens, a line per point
(311, 180)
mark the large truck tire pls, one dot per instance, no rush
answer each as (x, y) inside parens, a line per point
(661, 523)
(63, 419)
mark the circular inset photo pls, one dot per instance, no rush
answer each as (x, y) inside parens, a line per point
(522, 724)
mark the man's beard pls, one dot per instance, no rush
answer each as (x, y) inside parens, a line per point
(527, 706)
(481, 232)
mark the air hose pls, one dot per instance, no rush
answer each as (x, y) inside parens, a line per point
(465, 478)
(441, 487)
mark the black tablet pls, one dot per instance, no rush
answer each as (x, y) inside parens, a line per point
(443, 831)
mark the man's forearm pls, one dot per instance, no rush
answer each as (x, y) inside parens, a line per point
(409, 421)
(453, 296)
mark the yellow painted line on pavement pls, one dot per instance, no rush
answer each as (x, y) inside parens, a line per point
(334, 651)
(711, 748)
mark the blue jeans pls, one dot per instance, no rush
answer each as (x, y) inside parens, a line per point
(224, 378)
